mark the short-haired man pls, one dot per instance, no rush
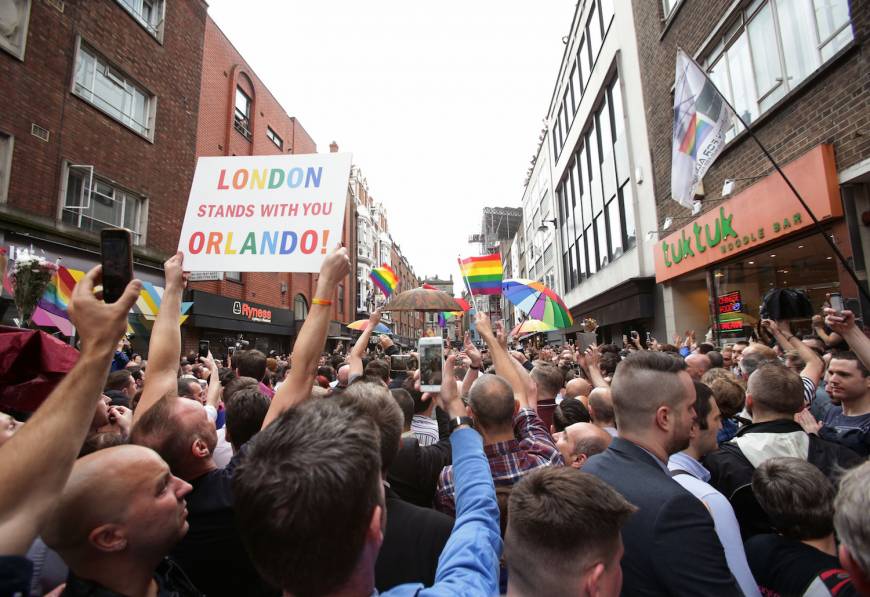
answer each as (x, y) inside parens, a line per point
(515, 441)
(578, 388)
(773, 396)
(116, 520)
(580, 441)
(849, 423)
(246, 410)
(652, 426)
(697, 365)
(305, 467)
(550, 381)
(687, 470)
(853, 526)
(252, 363)
(801, 558)
(563, 535)
(601, 410)
(188, 387)
(121, 387)
(414, 536)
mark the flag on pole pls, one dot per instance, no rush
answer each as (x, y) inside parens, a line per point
(483, 273)
(385, 278)
(701, 117)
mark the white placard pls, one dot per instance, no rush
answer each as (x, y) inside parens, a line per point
(277, 213)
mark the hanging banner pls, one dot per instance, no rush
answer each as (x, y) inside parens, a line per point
(271, 213)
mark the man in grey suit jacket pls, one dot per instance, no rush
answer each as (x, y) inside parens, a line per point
(671, 547)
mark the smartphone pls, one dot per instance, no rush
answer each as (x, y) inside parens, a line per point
(203, 348)
(399, 362)
(836, 301)
(647, 338)
(431, 352)
(116, 249)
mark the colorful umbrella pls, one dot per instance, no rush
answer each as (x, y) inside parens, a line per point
(538, 301)
(361, 324)
(532, 326)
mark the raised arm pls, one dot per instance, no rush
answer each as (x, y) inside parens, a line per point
(312, 337)
(164, 349)
(476, 362)
(502, 361)
(591, 364)
(843, 323)
(355, 358)
(35, 463)
(780, 331)
(213, 394)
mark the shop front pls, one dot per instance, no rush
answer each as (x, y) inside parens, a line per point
(716, 269)
(227, 322)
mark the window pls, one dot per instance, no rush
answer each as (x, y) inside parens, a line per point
(6, 143)
(242, 114)
(111, 91)
(274, 138)
(14, 21)
(104, 206)
(593, 33)
(772, 47)
(669, 6)
(300, 308)
(576, 85)
(595, 198)
(341, 300)
(149, 14)
(233, 276)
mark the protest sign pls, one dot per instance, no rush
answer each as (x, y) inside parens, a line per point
(271, 213)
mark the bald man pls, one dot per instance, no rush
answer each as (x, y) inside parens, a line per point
(697, 365)
(601, 410)
(118, 516)
(581, 441)
(578, 388)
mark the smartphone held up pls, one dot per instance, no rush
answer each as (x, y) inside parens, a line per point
(431, 352)
(116, 251)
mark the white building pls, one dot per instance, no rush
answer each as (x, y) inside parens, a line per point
(598, 155)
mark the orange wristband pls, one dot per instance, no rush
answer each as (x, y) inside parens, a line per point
(320, 301)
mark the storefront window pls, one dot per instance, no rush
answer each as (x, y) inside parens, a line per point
(807, 264)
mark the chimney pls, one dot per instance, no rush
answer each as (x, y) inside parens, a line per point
(333, 147)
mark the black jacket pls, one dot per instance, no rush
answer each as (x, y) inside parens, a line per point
(730, 469)
(671, 546)
(413, 541)
(171, 582)
(413, 475)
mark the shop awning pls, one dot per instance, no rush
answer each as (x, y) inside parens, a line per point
(633, 299)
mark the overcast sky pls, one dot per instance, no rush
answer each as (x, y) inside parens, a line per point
(441, 103)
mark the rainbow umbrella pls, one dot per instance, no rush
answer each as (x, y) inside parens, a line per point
(532, 326)
(361, 324)
(538, 301)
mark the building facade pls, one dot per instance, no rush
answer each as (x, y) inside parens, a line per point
(98, 126)
(239, 116)
(600, 168)
(407, 325)
(453, 328)
(798, 73)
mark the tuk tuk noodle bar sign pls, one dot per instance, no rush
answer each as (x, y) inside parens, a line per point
(280, 213)
(766, 211)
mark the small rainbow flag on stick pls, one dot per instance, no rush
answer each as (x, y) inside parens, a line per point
(385, 278)
(483, 274)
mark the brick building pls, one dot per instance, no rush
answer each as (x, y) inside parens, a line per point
(97, 126)
(800, 76)
(239, 116)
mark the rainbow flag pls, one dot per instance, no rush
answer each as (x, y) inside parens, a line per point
(483, 274)
(385, 278)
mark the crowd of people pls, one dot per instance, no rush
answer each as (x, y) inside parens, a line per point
(642, 469)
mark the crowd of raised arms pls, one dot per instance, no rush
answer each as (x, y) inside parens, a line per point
(658, 469)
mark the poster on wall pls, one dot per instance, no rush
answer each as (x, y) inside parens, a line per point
(271, 213)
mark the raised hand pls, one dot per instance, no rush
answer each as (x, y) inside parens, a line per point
(334, 268)
(471, 351)
(839, 321)
(173, 272)
(100, 324)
